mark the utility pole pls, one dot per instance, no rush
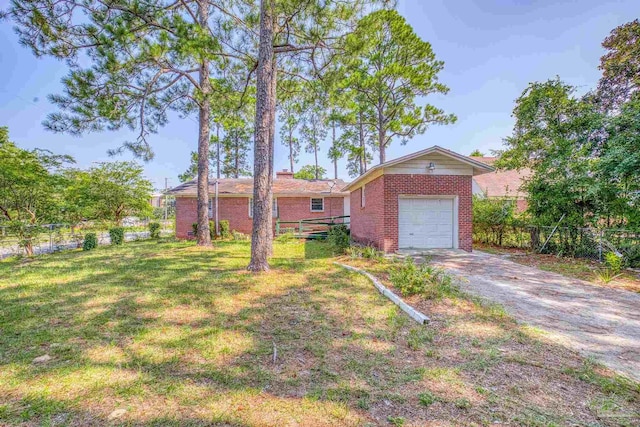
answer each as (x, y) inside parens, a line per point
(166, 204)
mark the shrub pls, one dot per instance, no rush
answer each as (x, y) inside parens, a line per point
(239, 236)
(613, 261)
(212, 229)
(225, 231)
(90, 242)
(354, 252)
(286, 237)
(369, 252)
(154, 230)
(411, 279)
(338, 238)
(117, 235)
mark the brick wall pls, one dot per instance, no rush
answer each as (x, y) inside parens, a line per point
(236, 211)
(377, 223)
(367, 222)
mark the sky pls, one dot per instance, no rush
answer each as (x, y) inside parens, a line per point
(492, 50)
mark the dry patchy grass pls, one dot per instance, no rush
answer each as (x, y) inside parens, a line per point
(169, 334)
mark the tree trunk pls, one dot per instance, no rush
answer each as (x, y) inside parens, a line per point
(237, 153)
(272, 137)
(381, 134)
(335, 157)
(203, 237)
(315, 154)
(363, 150)
(291, 148)
(218, 150)
(265, 110)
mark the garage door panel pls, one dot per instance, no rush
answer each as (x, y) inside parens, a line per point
(425, 223)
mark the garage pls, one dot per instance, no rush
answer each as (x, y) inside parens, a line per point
(426, 222)
(420, 201)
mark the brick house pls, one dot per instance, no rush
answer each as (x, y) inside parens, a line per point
(294, 199)
(423, 200)
(502, 184)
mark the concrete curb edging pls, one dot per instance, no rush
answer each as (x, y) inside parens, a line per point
(412, 312)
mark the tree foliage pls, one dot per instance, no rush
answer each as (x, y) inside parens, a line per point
(387, 66)
(111, 191)
(311, 172)
(620, 66)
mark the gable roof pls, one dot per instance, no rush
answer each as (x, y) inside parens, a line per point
(478, 167)
(502, 183)
(281, 187)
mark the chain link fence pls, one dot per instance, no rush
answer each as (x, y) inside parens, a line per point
(58, 237)
(592, 243)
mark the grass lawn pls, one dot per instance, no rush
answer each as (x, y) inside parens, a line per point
(579, 268)
(165, 333)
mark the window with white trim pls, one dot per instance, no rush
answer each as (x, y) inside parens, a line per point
(210, 208)
(317, 204)
(362, 197)
(274, 207)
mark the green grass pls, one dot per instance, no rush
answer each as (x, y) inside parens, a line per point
(172, 334)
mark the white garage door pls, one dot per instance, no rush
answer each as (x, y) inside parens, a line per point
(425, 223)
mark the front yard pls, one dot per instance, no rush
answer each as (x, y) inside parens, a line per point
(170, 334)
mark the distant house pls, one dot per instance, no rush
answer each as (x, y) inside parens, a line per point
(419, 201)
(504, 185)
(293, 200)
(157, 200)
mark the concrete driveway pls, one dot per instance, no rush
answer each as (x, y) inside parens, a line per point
(597, 321)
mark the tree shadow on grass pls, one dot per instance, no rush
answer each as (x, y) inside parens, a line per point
(183, 337)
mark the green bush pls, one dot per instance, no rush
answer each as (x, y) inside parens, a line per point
(117, 235)
(411, 279)
(338, 238)
(225, 230)
(286, 237)
(241, 237)
(212, 229)
(154, 230)
(369, 252)
(90, 242)
(632, 256)
(613, 261)
(354, 252)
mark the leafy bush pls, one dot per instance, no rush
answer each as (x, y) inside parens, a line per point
(354, 252)
(411, 279)
(338, 238)
(117, 235)
(632, 256)
(154, 230)
(241, 237)
(286, 237)
(369, 252)
(225, 231)
(90, 242)
(212, 229)
(613, 262)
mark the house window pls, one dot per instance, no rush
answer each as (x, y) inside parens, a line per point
(275, 207)
(210, 208)
(362, 197)
(317, 205)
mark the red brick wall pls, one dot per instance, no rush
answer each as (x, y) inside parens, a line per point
(236, 211)
(377, 223)
(367, 222)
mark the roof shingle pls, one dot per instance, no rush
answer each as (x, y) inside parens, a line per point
(284, 187)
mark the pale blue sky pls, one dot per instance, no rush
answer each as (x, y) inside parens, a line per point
(492, 49)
